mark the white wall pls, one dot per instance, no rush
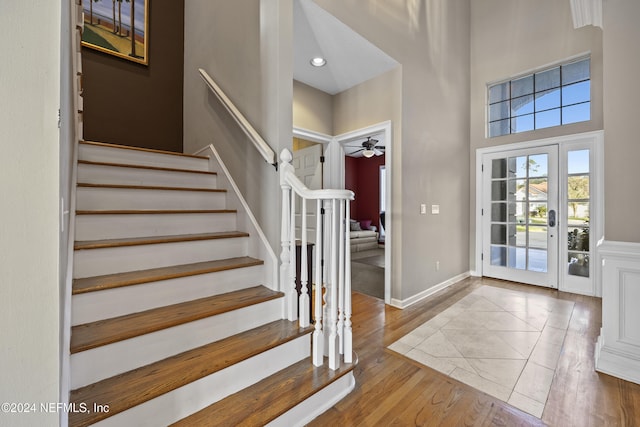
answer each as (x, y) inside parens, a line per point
(246, 47)
(29, 188)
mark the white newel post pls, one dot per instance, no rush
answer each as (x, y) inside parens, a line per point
(287, 250)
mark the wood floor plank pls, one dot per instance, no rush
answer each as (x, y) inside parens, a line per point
(153, 240)
(129, 278)
(268, 399)
(579, 395)
(103, 332)
(135, 387)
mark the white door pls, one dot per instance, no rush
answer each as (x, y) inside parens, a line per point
(308, 169)
(520, 216)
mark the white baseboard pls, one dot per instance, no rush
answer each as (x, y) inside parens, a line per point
(621, 365)
(428, 292)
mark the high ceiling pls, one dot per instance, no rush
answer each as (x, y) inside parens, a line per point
(351, 59)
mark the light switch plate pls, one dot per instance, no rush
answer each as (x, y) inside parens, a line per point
(423, 209)
(435, 209)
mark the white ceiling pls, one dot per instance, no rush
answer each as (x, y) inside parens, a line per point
(351, 59)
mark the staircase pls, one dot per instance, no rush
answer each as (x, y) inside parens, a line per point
(173, 322)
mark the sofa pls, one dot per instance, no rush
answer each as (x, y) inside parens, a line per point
(363, 235)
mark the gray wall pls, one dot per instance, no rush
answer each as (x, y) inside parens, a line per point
(514, 37)
(29, 225)
(622, 92)
(246, 47)
(430, 39)
(312, 109)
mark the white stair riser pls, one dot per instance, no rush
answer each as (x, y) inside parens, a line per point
(173, 406)
(98, 227)
(93, 306)
(104, 154)
(106, 361)
(91, 198)
(101, 174)
(98, 262)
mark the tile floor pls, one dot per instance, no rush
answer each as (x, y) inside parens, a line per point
(505, 343)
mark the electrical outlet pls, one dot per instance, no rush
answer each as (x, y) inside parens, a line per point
(437, 265)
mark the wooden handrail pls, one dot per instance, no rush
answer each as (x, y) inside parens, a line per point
(261, 145)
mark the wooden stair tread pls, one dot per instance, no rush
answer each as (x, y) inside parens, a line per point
(132, 388)
(111, 281)
(148, 150)
(149, 187)
(136, 241)
(134, 166)
(102, 332)
(266, 400)
(156, 211)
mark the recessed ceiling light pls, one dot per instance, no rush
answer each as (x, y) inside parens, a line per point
(318, 61)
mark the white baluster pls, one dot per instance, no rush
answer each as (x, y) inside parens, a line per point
(285, 254)
(340, 287)
(304, 270)
(293, 300)
(318, 335)
(326, 273)
(334, 360)
(348, 333)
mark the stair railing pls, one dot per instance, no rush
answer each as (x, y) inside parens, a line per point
(261, 145)
(332, 336)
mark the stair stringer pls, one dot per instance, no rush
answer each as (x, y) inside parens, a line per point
(259, 246)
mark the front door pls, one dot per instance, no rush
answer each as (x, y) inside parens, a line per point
(520, 216)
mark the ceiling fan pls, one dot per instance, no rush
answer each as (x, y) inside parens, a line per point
(369, 148)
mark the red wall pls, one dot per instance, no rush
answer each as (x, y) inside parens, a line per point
(362, 176)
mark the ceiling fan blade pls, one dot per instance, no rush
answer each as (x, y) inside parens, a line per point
(380, 147)
(357, 151)
(377, 152)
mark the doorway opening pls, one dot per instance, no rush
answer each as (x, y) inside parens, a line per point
(540, 212)
(333, 152)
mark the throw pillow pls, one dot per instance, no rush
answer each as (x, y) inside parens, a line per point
(354, 225)
(365, 224)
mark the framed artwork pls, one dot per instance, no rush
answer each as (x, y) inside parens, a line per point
(117, 27)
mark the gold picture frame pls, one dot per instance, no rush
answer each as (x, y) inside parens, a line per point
(108, 28)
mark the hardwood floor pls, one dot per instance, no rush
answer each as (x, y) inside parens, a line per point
(394, 390)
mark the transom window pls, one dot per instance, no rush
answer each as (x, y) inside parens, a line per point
(552, 97)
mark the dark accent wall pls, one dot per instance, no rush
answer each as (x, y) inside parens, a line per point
(131, 104)
(362, 176)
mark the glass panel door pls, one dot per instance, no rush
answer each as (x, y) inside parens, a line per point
(520, 216)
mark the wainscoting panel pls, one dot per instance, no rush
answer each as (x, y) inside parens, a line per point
(618, 347)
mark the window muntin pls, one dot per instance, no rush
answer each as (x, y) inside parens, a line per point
(553, 97)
